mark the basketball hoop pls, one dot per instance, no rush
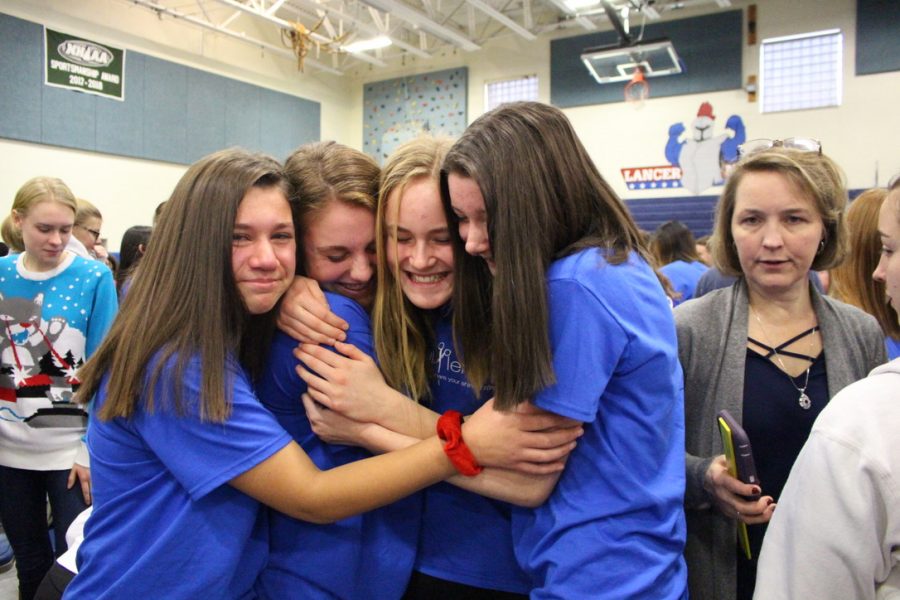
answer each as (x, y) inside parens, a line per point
(637, 90)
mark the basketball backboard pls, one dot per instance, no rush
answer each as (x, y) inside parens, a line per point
(609, 64)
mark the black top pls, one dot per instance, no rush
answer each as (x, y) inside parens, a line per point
(777, 427)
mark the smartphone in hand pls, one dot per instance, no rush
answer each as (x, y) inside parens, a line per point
(739, 456)
(735, 439)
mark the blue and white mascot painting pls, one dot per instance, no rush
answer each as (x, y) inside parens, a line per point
(702, 156)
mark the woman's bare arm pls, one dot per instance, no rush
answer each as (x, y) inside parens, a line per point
(289, 482)
(518, 487)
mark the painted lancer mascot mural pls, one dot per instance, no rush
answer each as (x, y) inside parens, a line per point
(702, 155)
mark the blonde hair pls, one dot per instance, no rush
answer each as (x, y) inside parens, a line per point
(32, 192)
(852, 282)
(402, 332)
(11, 235)
(86, 210)
(815, 176)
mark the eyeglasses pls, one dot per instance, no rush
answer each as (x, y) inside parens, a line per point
(802, 144)
(93, 232)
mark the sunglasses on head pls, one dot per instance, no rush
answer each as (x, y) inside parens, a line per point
(794, 143)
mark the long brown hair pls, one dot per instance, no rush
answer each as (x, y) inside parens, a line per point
(185, 303)
(402, 331)
(545, 199)
(673, 241)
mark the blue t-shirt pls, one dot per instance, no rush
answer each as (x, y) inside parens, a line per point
(465, 538)
(893, 347)
(614, 527)
(684, 277)
(365, 556)
(166, 523)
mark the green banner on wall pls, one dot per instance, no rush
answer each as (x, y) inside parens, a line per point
(79, 64)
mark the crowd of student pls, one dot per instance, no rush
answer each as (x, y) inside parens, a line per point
(276, 411)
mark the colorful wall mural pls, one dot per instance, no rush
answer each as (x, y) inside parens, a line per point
(397, 110)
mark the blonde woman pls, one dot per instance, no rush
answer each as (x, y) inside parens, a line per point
(770, 349)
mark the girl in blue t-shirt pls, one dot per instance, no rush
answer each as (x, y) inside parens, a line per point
(56, 308)
(412, 325)
(675, 253)
(369, 555)
(579, 324)
(182, 451)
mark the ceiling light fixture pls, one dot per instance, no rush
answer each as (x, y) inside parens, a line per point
(382, 41)
(578, 5)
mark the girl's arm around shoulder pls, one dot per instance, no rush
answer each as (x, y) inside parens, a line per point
(351, 383)
(304, 314)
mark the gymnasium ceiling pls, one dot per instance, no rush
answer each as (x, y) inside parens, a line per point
(318, 32)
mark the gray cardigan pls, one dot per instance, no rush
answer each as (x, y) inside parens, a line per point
(712, 345)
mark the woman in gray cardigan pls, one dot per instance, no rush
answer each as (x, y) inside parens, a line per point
(770, 349)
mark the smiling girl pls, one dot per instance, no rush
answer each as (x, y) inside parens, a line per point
(183, 452)
(572, 316)
(363, 556)
(412, 324)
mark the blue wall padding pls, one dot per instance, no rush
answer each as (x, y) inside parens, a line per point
(122, 127)
(710, 48)
(170, 112)
(21, 72)
(877, 39)
(694, 211)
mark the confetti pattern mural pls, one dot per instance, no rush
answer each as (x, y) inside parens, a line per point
(397, 110)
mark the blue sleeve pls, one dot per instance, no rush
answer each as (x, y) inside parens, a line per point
(279, 387)
(103, 311)
(204, 455)
(587, 345)
(360, 332)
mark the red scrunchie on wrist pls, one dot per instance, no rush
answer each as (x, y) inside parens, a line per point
(449, 430)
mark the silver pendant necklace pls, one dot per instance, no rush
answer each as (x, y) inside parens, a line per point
(804, 400)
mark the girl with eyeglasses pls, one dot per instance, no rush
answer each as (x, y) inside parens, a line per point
(770, 349)
(85, 240)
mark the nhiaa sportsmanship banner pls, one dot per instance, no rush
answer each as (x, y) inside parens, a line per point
(79, 64)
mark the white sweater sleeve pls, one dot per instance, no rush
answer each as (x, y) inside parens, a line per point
(828, 535)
